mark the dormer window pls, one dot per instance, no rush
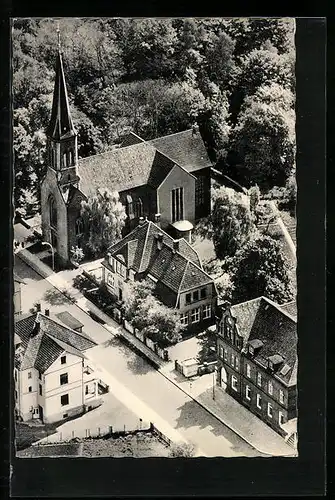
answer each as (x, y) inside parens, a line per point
(251, 350)
(254, 346)
(270, 365)
(275, 361)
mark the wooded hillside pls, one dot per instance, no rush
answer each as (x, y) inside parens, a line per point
(234, 78)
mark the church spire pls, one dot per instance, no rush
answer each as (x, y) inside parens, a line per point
(60, 126)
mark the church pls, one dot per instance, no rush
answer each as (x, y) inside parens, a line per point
(165, 180)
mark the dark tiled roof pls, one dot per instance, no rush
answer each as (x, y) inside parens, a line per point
(130, 140)
(119, 169)
(290, 308)
(168, 265)
(264, 320)
(69, 320)
(185, 148)
(53, 338)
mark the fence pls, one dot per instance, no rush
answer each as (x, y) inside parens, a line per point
(162, 353)
(95, 433)
(162, 436)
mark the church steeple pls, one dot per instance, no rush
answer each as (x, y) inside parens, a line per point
(61, 134)
(60, 126)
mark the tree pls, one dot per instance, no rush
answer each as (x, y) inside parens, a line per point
(182, 450)
(254, 196)
(260, 268)
(264, 137)
(231, 221)
(145, 312)
(104, 216)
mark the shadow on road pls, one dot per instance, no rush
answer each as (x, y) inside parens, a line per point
(57, 298)
(137, 364)
(191, 415)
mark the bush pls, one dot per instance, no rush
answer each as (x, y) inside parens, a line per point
(183, 450)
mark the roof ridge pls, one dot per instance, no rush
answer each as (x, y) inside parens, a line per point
(170, 135)
(60, 342)
(115, 150)
(183, 277)
(279, 308)
(59, 323)
(148, 222)
(174, 164)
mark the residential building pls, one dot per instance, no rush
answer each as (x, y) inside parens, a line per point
(52, 378)
(165, 179)
(257, 359)
(18, 282)
(172, 266)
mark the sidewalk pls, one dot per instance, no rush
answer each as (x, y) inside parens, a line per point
(228, 411)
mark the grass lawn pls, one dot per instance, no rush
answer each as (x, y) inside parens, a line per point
(50, 450)
(26, 434)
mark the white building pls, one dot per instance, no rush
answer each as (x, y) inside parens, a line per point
(52, 378)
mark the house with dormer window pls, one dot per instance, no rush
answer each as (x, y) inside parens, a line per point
(257, 359)
(52, 378)
(171, 265)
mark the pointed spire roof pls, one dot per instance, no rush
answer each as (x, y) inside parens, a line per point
(60, 126)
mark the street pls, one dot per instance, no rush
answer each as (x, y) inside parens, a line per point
(143, 384)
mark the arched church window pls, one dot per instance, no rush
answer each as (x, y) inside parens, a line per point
(139, 208)
(79, 227)
(53, 212)
(130, 211)
(71, 162)
(65, 160)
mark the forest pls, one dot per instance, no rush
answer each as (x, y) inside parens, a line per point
(234, 78)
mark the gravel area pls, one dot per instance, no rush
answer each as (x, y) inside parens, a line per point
(53, 450)
(137, 446)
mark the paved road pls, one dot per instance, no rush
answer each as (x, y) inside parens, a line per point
(147, 385)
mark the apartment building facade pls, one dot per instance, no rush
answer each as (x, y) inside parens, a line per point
(257, 360)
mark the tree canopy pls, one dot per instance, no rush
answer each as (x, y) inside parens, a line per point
(159, 76)
(231, 221)
(145, 312)
(104, 216)
(260, 268)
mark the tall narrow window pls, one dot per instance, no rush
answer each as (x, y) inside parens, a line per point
(71, 162)
(177, 204)
(130, 211)
(79, 226)
(65, 159)
(53, 212)
(200, 190)
(54, 158)
(139, 208)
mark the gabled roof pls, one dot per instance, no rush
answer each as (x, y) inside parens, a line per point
(185, 148)
(176, 265)
(69, 320)
(52, 338)
(264, 320)
(60, 125)
(290, 308)
(138, 162)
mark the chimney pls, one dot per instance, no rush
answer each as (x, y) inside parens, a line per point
(141, 221)
(38, 307)
(175, 246)
(159, 239)
(36, 327)
(47, 312)
(158, 220)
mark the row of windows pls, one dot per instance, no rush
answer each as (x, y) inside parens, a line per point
(234, 360)
(269, 385)
(196, 295)
(248, 394)
(68, 158)
(134, 209)
(195, 315)
(118, 268)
